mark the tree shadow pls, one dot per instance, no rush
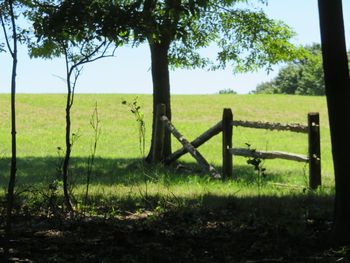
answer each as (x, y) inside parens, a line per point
(36, 171)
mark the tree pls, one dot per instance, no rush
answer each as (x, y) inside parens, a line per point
(337, 82)
(302, 76)
(227, 91)
(9, 26)
(176, 30)
(58, 34)
(312, 76)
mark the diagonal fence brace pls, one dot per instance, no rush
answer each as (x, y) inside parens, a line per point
(206, 167)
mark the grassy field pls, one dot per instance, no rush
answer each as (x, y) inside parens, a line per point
(118, 173)
(138, 213)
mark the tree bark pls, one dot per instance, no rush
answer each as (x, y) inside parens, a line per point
(161, 94)
(337, 82)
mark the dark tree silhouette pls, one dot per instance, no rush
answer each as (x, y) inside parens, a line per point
(7, 13)
(336, 71)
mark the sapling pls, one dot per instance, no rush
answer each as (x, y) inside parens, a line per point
(58, 34)
(9, 25)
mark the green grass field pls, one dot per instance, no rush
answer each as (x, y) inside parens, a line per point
(118, 174)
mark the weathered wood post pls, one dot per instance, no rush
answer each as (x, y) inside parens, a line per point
(159, 134)
(227, 118)
(314, 150)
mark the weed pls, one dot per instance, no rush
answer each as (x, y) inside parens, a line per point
(258, 165)
(95, 125)
(135, 109)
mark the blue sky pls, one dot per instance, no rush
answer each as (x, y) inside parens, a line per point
(129, 71)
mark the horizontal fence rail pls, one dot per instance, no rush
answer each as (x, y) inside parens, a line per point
(269, 155)
(294, 127)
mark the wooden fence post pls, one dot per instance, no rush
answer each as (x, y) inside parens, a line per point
(159, 134)
(314, 150)
(227, 118)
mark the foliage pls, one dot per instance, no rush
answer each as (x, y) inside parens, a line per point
(227, 91)
(2, 49)
(60, 25)
(246, 37)
(257, 163)
(19, 12)
(302, 76)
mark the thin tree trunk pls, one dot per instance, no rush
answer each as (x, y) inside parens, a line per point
(161, 93)
(337, 82)
(65, 168)
(12, 181)
(67, 157)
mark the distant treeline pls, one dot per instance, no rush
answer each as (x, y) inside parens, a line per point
(302, 76)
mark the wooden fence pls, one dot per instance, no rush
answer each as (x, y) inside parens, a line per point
(225, 126)
(314, 147)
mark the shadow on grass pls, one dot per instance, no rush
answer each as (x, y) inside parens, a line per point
(106, 171)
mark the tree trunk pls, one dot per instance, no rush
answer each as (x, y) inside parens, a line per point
(161, 94)
(337, 82)
(65, 168)
(66, 160)
(12, 181)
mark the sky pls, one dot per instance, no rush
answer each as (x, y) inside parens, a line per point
(129, 71)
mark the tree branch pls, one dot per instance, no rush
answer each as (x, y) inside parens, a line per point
(6, 35)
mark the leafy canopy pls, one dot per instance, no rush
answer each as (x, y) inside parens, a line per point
(76, 26)
(244, 36)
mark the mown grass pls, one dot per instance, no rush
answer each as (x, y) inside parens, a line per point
(119, 173)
